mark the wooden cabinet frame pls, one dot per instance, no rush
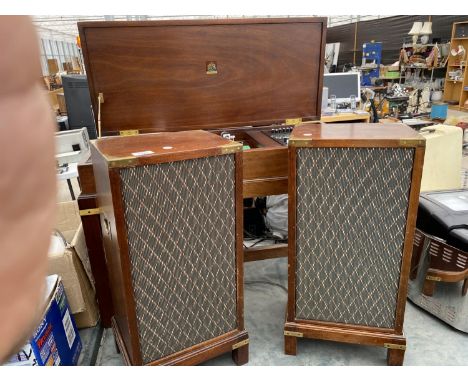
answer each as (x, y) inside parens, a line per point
(393, 339)
(187, 145)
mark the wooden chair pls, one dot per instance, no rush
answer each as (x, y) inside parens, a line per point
(446, 263)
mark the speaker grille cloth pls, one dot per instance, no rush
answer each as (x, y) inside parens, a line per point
(351, 221)
(180, 220)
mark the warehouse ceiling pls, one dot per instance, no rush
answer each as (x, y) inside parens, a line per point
(66, 25)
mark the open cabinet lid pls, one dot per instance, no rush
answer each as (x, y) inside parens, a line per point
(203, 74)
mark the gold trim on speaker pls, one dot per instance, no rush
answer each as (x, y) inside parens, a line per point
(231, 147)
(300, 142)
(90, 211)
(412, 142)
(240, 344)
(293, 334)
(394, 346)
(307, 142)
(121, 162)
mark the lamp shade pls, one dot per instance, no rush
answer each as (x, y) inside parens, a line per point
(416, 29)
(427, 28)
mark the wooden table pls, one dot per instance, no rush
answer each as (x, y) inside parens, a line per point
(389, 120)
(345, 117)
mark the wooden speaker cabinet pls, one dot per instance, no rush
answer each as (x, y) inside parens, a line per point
(353, 197)
(173, 245)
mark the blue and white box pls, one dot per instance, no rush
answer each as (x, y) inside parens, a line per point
(56, 341)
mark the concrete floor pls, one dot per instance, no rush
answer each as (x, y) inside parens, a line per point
(430, 341)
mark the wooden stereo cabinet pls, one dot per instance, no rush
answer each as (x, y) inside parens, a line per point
(171, 207)
(242, 76)
(353, 199)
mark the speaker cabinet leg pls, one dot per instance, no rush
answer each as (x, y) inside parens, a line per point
(428, 287)
(290, 345)
(465, 287)
(241, 355)
(395, 357)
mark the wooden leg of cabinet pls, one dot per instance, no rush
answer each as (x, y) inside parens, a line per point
(395, 357)
(290, 345)
(241, 355)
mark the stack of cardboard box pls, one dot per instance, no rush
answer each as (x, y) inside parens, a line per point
(72, 264)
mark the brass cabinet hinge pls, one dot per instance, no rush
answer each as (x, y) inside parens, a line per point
(300, 142)
(122, 162)
(127, 133)
(240, 344)
(412, 142)
(231, 147)
(394, 346)
(293, 121)
(90, 211)
(433, 278)
(293, 334)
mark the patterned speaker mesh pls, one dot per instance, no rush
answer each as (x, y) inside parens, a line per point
(180, 220)
(351, 220)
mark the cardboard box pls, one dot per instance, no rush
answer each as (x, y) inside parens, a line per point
(71, 262)
(53, 66)
(53, 100)
(56, 341)
(67, 219)
(76, 64)
(68, 222)
(61, 102)
(389, 71)
(47, 82)
(67, 66)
